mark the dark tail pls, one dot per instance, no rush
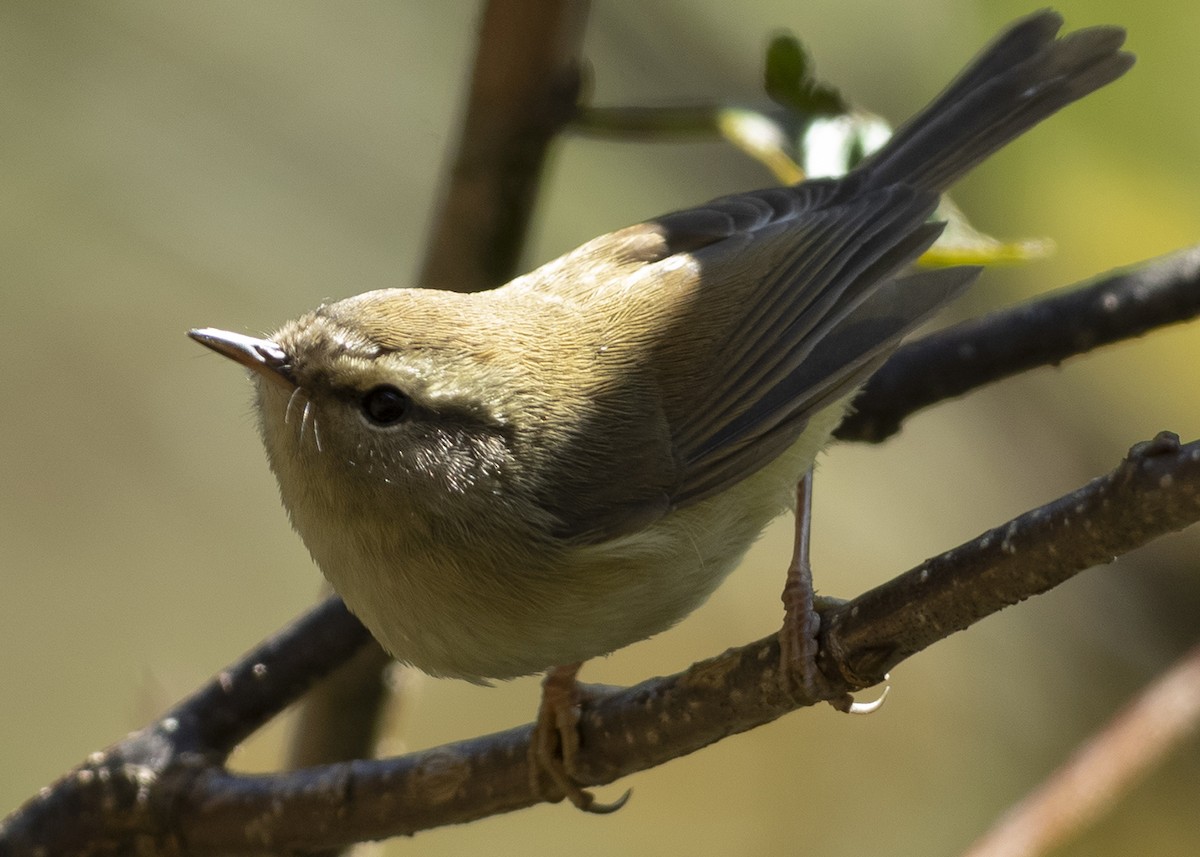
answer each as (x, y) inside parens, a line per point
(1018, 80)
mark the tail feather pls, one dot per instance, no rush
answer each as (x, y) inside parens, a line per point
(1024, 76)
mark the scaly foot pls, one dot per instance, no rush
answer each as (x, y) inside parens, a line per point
(554, 745)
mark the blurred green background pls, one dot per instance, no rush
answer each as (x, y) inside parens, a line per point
(171, 165)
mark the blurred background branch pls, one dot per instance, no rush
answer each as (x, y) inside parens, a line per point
(1104, 769)
(524, 87)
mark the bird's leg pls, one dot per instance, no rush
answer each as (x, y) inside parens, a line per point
(798, 643)
(554, 745)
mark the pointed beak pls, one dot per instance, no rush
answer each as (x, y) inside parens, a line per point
(259, 355)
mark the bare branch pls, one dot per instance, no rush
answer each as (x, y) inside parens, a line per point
(164, 790)
(1154, 491)
(1041, 332)
(246, 695)
(1152, 494)
(126, 794)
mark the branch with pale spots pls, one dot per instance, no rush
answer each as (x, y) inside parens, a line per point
(167, 784)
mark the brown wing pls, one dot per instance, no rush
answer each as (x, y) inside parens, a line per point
(755, 311)
(811, 309)
(739, 320)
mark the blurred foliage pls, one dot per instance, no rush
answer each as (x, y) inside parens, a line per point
(790, 81)
(166, 166)
(818, 134)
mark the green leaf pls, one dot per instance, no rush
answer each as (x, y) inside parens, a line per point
(790, 82)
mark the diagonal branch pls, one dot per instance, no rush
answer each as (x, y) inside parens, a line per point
(1164, 715)
(203, 729)
(164, 789)
(1041, 332)
(127, 792)
(246, 695)
(1154, 491)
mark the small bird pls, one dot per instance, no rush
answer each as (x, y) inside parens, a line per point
(513, 481)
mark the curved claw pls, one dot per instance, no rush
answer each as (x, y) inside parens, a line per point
(872, 706)
(590, 804)
(554, 744)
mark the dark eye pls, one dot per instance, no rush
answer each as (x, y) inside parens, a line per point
(385, 405)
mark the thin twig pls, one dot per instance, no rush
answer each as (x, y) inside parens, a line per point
(1041, 332)
(649, 124)
(245, 696)
(1103, 769)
